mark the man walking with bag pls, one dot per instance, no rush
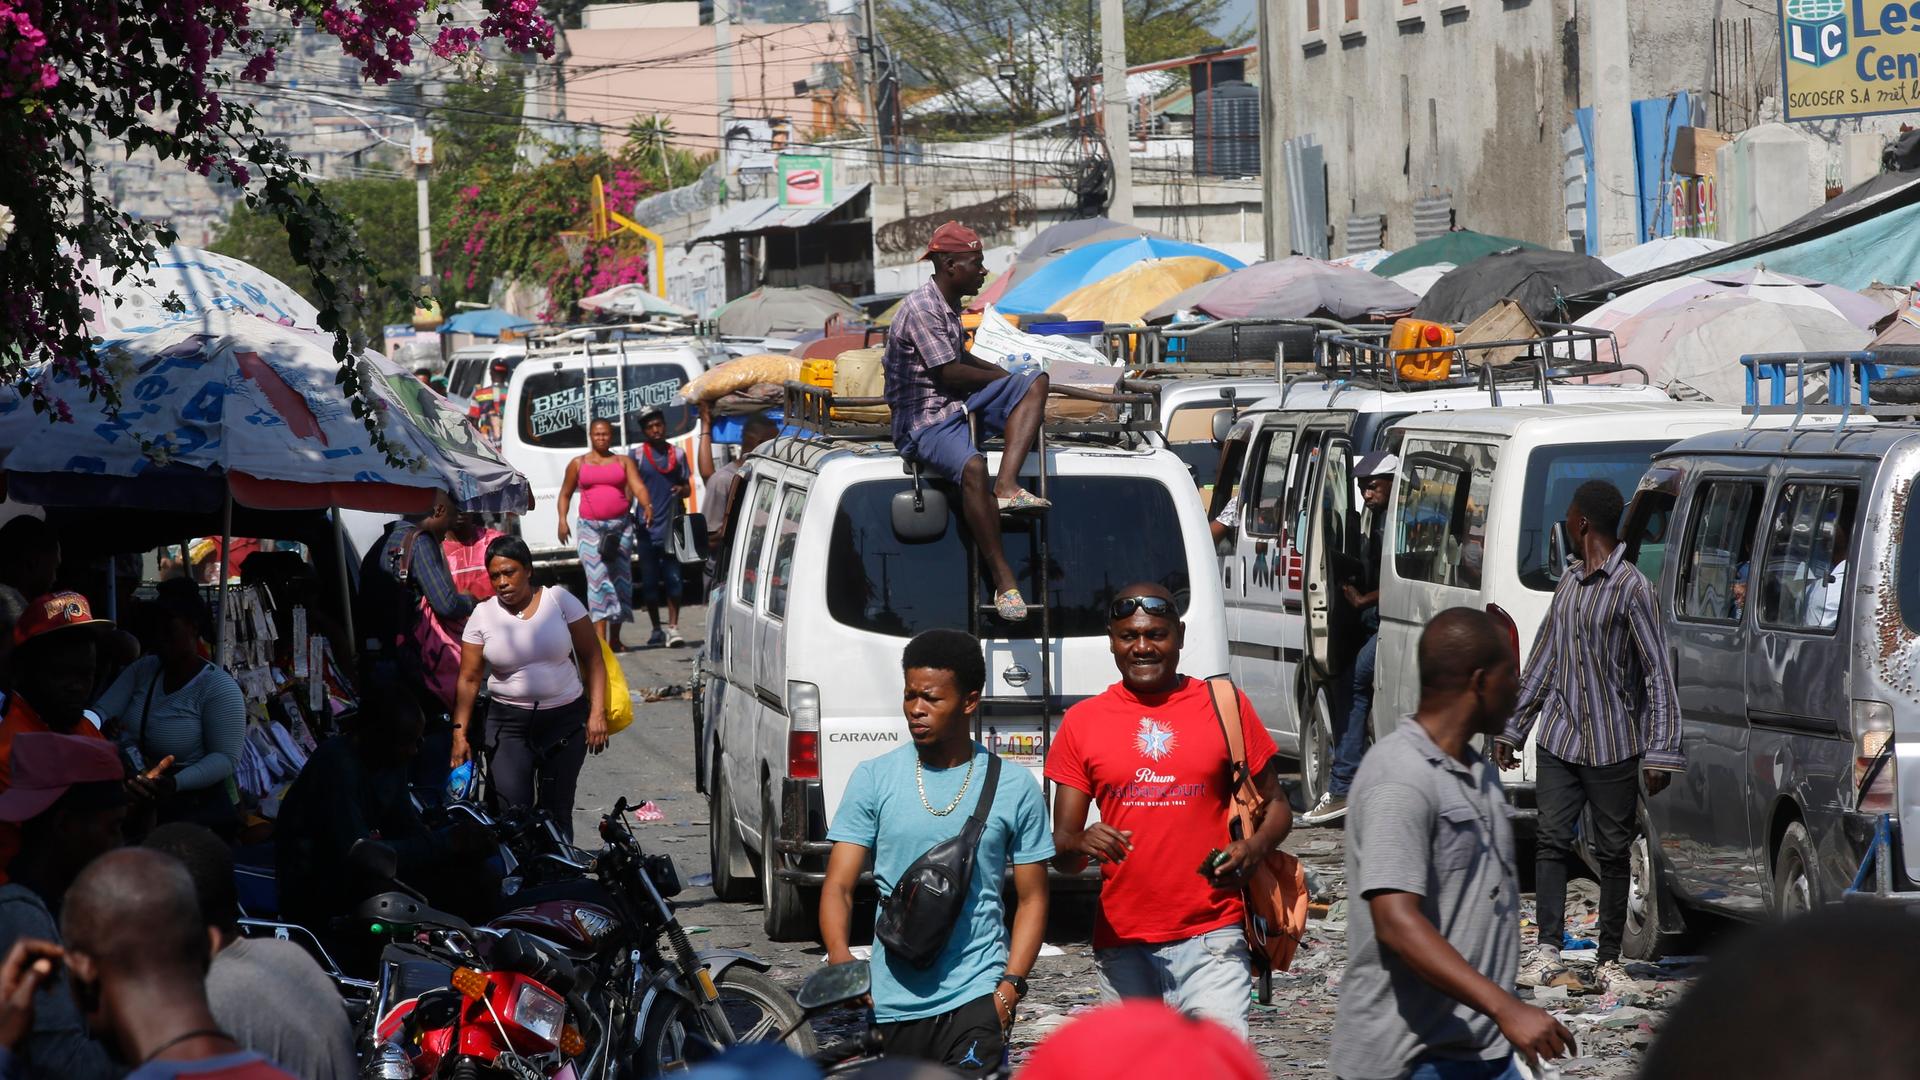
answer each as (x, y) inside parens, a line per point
(1152, 752)
(1600, 686)
(942, 820)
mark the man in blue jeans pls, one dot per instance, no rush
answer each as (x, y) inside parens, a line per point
(1374, 475)
(663, 469)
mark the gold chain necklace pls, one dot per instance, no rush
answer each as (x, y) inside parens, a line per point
(919, 780)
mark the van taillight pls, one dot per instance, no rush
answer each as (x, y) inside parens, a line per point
(803, 755)
(1507, 624)
(803, 730)
(1873, 756)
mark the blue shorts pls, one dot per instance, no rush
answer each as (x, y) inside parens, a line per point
(945, 446)
(659, 570)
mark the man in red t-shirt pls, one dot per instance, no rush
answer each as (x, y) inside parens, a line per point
(1152, 753)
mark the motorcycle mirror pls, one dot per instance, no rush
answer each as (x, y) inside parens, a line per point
(374, 858)
(835, 984)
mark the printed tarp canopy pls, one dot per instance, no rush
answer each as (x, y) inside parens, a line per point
(253, 409)
(1042, 289)
(186, 286)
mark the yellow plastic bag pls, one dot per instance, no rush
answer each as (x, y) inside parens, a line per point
(619, 698)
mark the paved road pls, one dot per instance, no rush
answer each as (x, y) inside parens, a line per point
(653, 759)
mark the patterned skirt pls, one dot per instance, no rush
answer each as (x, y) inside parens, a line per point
(606, 556)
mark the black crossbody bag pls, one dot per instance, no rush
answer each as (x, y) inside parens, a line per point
(917, 918)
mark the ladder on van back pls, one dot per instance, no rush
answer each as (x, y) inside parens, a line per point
(1846, 380)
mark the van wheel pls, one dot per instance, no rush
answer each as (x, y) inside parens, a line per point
(1795, 891)
(1316, 748)
(1646, 904)
(726, 852)
(787, 916)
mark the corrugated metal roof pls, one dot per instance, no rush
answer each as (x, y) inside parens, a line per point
(761, 215)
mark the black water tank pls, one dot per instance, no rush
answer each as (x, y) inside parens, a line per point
(1226, 130)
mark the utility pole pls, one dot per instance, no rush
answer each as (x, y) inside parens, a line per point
(1616, 183)
(1113, 78)
(723, 74)
(422, 153)
(872, 69)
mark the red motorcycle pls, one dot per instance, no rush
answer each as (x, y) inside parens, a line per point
(455, 1003)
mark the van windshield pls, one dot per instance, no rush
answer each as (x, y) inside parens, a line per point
(553, 411)
(1108, 532)
(1554, 473)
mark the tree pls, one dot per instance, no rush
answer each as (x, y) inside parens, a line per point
(649, 153)
(160, 75)
(959, 46)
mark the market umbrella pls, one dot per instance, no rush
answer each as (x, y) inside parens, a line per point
(1295, 287)
(1364, 260)
(1459, 247)
(771, 309)
(184, 285)
(251, 411)
(1697, 346)
(1126, 296)
(1043, 289)
(1658, 252)
(633, 300)
(486, 322)
(1765, 285)
(1538, 279)
(1067, 235)
(1421, 278)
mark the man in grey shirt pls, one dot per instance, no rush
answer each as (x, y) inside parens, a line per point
(269, 995)
(1433, 949)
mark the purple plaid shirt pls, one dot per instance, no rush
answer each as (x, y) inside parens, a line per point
(926, 333)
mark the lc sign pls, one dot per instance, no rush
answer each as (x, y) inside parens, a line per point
(1849, 57)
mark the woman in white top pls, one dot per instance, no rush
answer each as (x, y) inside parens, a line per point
(541, 659)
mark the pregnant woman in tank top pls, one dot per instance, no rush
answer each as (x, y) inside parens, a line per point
(606, 482)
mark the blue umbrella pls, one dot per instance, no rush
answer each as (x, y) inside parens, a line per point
(486, 322)
(1070, 270)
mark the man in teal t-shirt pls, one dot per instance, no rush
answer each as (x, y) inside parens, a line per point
(957, 1011)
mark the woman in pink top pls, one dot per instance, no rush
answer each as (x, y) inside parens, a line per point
(548, 684)
(606, 482)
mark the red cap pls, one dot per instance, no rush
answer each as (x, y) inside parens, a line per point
(54, 612)
(46, 764)
(952, 236)
(1142, 1038)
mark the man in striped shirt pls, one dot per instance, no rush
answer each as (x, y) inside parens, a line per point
(1600, 687)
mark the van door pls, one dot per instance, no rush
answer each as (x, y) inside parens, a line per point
(772, 637)
(1260, 654)
(1701, 819)
(745, 705)
(1797, 667)
(1330, 525)
(1432, 557)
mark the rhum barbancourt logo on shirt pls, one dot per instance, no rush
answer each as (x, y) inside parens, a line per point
(1155, 741)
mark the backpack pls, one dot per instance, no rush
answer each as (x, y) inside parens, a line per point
(918, 916)
(1276, 890)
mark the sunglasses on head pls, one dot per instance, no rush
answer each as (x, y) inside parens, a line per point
(1157, 606)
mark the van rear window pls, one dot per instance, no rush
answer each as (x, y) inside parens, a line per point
(1554, 473)
(553, 412)
(1108, 532)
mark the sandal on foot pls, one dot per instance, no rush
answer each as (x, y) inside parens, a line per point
(1010, 606)
(1025, 502)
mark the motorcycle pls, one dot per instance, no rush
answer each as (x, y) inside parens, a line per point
(463, 1003)
(840, 985)
(674, 1005)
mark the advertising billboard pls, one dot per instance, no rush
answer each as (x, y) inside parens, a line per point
(1849, 57)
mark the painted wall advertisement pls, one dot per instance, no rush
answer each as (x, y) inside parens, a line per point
(806, 180)
(1849, 57)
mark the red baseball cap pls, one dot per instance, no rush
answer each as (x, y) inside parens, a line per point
(1142, 1038)
(953, 237)
(53, 613)
(47, 764)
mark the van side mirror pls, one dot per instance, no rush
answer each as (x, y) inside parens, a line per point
(1222, 424)
(919, 515)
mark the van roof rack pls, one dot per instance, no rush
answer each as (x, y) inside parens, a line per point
(580, 336)
(1845, 387)
(1255, 343)
(1567, 353)
(810, 409)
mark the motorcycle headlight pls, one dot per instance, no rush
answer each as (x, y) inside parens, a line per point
(539, 1012)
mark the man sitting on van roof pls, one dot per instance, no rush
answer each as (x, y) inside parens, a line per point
(932, 387)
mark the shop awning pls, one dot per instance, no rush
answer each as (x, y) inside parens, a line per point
(756, 216)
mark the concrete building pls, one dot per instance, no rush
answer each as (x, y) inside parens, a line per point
(1544, 120)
